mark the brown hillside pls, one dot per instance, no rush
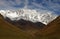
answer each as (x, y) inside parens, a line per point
(27, 30)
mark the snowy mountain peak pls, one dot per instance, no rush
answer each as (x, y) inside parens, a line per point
(30, 15)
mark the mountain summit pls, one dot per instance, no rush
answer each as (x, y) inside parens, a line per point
(30, 15)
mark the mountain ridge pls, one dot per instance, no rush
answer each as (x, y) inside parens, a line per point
(31, 15)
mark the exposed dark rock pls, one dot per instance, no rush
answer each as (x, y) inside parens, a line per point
(23, 24)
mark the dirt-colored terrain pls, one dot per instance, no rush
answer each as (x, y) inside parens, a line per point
(29, 30)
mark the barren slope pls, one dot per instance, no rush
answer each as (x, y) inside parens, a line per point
(28, 30)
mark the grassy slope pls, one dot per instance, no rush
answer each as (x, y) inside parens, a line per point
(8, 31)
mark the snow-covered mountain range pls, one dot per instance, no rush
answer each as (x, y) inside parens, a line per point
(30, 15)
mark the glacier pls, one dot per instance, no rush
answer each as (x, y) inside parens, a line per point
(43, 16)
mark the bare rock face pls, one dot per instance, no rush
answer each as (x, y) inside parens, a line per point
(25, 25)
